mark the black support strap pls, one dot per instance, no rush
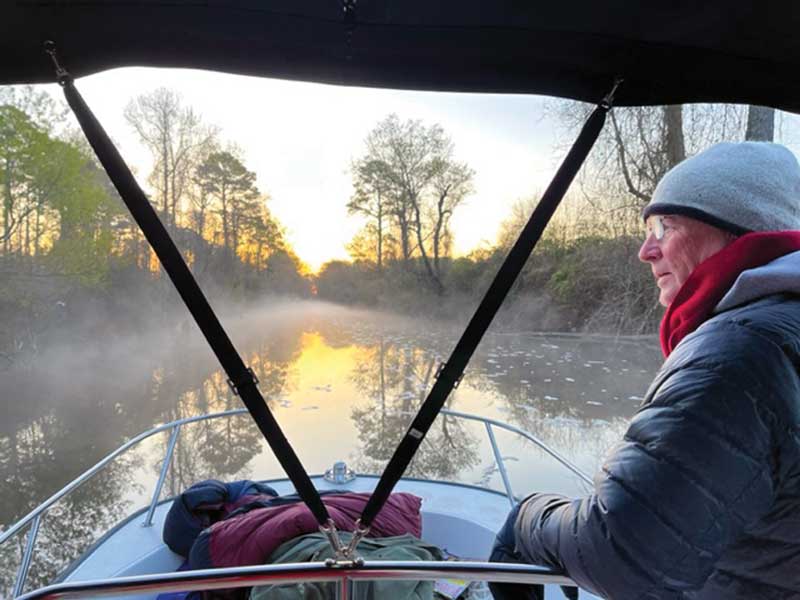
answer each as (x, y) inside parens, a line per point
(241, 379)
(451, 372)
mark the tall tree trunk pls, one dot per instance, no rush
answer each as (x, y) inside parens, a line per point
(234, 232)
(760, 124)
(437, 231)
(437, 285)
(174, 202)
(380, 235)
(166, 178)
(225, 226)
(137, 253)
(8, 205)
(28, 234)
(404, 242)
(37, 237)
(201, 223)
(673, 121)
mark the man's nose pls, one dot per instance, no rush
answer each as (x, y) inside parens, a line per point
(650, 249)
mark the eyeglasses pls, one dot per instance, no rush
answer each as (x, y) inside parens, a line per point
(655, 226)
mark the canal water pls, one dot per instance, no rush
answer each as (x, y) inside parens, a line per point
(343, 384)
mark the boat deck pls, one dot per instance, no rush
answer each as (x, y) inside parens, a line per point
(460, 519)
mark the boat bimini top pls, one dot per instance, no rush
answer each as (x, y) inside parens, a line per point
(668, 52)
(627, 53)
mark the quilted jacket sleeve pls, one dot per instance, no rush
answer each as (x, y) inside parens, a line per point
(694, 469)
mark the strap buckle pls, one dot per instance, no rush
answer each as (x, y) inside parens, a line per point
(441, 369)
(608, 100)
(62, 75)
(235, 385)
(344, 556)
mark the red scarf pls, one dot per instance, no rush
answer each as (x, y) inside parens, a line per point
(711, 280)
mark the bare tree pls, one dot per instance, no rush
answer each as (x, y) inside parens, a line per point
(175, 135)
(371, 199)
(638, 146)
(410, 168)
(404, 151)
(450, 185)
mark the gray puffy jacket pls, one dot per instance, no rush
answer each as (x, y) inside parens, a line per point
(701, 499)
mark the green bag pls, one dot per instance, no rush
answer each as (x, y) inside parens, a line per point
(315, 547)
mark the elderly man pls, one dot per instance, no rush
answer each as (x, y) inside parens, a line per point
(701, 497)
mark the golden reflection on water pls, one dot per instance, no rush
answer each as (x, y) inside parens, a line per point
(314, 413)
(341, 394)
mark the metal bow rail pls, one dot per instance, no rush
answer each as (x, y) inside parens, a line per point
(344, 578)
(35, 516)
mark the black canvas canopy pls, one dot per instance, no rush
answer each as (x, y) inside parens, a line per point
(668, 51)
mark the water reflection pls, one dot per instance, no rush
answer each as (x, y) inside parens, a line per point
(396, 378)
(341, 384)
(220, 448)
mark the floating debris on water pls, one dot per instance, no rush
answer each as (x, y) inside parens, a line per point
(570, 379)
(323, 388)
(312, 407)
(551, 397)
(594, 403)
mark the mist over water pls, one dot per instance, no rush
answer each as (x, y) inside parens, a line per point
(343, 384)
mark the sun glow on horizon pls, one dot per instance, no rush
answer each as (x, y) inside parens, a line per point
(300, 138)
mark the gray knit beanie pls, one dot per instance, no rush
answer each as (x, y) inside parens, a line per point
(750, 186)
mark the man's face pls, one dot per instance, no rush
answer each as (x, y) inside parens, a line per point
(685, 243)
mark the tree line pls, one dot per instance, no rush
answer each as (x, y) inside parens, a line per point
(203, 187)
(584, 274)
(67, 241)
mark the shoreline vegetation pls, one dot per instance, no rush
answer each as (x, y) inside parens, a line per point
(76, 267)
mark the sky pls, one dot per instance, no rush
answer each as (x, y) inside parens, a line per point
(300, 138)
